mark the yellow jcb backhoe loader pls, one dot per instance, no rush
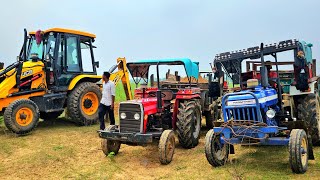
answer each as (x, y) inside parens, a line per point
(55, 70)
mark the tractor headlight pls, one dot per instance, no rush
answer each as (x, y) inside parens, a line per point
(123, 115)
(136, 116)
(271, 113)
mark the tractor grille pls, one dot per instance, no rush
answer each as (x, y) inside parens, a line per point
(129, 124)
(242, 113)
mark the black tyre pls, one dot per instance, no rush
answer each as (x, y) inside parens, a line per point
(83, 103)
(216, 153)
(21, 116)
(109, 146)
(298, 151)
(211, 115)
(166, 146)
(309, 111)
(51, 115)
(189, 124)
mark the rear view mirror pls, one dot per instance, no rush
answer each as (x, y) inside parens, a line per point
(96, 64)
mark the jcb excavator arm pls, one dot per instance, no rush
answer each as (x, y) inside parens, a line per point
(123, 75)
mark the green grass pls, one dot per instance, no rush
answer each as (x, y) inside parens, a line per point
(60, 149)
(120, 94)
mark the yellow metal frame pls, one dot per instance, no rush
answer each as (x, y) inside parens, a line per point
(75, 80)
(123, 75)
(63, 30)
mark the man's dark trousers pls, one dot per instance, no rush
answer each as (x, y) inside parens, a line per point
(103, 109)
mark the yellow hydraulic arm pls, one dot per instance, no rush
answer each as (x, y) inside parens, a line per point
(123, 75)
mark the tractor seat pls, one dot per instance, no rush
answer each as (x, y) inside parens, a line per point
(252, 83)
(167, 95)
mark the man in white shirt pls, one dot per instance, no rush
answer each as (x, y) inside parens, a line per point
(107, 100)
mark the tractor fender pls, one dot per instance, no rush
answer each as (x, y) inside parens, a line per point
(83, 78)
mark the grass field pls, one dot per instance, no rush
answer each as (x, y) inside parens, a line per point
(60, 149)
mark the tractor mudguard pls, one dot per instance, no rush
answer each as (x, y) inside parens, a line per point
(90, 78)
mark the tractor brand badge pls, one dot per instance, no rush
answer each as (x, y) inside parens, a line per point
(27, 73)
(241, 102)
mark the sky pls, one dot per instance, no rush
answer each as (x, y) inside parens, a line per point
(153, 29)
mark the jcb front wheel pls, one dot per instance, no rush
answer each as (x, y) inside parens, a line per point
(21, 116)
(83, 103)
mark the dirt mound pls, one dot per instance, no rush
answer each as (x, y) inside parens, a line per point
(200, 80)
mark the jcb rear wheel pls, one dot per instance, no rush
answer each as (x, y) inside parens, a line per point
(83, 103)
(298, 151)
(21, 116)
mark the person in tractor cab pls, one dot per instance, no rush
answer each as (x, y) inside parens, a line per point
(107, 101)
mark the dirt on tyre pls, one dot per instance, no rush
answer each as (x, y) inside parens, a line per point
(189, 124)
(298, 151)
(83, 103)
(21, 116)
(50, 115)
(309, 111)
(109, 146)
(216, 153)
(166, 147)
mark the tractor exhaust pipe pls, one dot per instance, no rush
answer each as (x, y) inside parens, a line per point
(263, 69)
(159, 98)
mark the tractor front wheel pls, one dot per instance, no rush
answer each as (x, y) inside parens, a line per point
(166, 146)
(109, 146)
(189, 123)
(21, 116)
(298, 151)
(216, 153)
(83, 103)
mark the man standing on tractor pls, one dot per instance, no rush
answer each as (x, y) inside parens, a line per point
(107, 100)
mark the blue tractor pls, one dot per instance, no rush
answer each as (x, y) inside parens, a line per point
(260, 112)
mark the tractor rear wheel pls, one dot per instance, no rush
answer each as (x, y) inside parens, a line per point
(21, 116)
(309, 110)
(211, 115)
(216, 153)
(166, 146)
(189, 123)
(83, 103)
(50, 115)
(109, 146)
(298, 151)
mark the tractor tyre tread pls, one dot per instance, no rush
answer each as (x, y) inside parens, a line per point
(307, 110)
(185, 124)
(296, 136)
(163, 156)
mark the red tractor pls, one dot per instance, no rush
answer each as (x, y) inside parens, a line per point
(156, 112)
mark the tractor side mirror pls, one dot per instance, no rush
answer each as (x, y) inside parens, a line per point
(96, 64)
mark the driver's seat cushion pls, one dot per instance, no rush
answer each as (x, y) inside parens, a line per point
(167, 95)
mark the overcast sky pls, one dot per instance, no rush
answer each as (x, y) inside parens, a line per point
(150, 29)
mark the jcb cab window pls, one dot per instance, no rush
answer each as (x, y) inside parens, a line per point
(72, 55)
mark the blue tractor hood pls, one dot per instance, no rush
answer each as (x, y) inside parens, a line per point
(267, 97)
